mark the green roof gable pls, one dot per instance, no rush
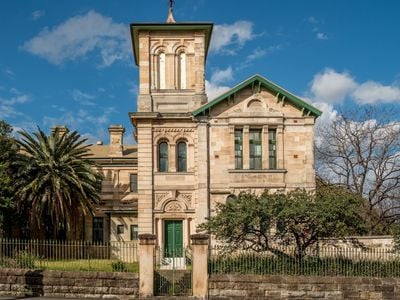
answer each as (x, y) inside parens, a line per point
(256, 82)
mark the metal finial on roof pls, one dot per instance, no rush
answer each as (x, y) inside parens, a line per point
(170, 18)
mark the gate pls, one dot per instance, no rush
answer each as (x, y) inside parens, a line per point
(173, 271)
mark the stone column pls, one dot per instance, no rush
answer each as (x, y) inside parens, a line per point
(280, 155)
(199, 261)
(146, 264)
(265, 147)
(231, 164)
(246, 148)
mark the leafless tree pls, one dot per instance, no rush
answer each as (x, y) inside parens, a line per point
(360, 150)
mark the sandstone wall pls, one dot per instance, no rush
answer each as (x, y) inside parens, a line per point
(59, 284)
(302, 287)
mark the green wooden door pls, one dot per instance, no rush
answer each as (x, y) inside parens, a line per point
(173, 238)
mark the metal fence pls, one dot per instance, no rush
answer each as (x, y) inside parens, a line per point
(321, 261)
(69, 255)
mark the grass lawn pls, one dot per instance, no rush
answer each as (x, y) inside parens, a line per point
(100, 265)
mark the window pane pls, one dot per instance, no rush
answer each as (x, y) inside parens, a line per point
(182, 71)
(120, 229)
(272, 148)
(161, 71)
(238, 149)
(163, 157)
(182, 154)
(133, 181)
(134, 232)
(97, 229)
(255, 149)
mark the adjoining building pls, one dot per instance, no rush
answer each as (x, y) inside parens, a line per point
(193, 153)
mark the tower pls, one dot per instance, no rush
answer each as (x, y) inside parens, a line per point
(171, 59)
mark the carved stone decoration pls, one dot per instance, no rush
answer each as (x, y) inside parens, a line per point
(161, 129)
(173, 206)
(159, 199)
(187, 198)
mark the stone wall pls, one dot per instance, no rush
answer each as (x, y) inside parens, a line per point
(301, 287)
(60, 284)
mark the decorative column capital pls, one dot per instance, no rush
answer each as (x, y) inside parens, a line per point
(147, 239)
(199, 239)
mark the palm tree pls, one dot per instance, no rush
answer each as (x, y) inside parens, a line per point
(58, 181)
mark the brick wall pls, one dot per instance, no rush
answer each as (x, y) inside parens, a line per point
(301, 287)
(60, 284)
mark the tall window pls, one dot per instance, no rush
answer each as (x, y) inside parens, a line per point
(97, 229)
(161, 71)
(272, 148)
(238, 149)
(133, 182)
(255, 149)
(134, 232)
(182, 157)
(182, 71)
(163, 157)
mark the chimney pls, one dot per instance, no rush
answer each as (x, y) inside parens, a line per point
(116, 139)
(59, 130)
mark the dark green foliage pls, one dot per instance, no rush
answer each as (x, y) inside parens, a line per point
(58, 181)
(243, 221)
(298, 217)
(306, 217)
(8, 153)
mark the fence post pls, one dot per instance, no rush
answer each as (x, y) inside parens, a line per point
(146, 264)
(199, 265)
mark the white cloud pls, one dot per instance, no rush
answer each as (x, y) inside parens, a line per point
(256, 54)
(331, 86)
(37, 14)
(312, 20)
(321, 36)
(236, 34)
(7, 104)
(220, 76)
(372, 92)
(82, 97)
(79, 36)
(82, 118)
(213, 90)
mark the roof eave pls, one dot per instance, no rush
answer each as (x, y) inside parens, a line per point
(136, 27)
(270, 85)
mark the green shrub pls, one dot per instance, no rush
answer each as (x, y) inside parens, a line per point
(119, 266)
(25, 260)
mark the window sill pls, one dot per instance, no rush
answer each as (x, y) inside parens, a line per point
(258, 171)
(172, 91)
(173, 173)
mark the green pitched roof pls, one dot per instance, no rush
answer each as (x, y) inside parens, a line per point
(180, 26)
(257, 81)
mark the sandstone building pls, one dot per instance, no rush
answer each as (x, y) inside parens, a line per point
(193, 152)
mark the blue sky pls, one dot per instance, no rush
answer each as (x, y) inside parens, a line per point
(70, 62)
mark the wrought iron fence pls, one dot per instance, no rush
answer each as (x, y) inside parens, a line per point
(173, 271)
(320, 261)
(69, 255)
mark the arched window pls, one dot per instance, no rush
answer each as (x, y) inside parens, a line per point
(182, 71)
(182, 157)
(161, 71)
(163, 157)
